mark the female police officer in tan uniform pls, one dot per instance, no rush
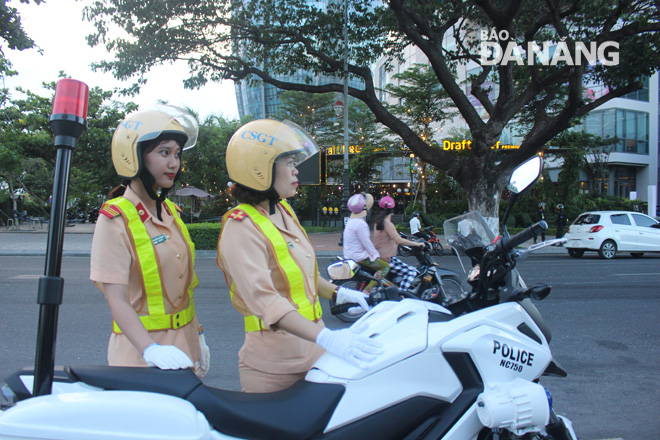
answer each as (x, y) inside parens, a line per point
(142, 257)
(270, 264)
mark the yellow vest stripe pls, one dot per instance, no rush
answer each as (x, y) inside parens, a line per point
(287, 264)
(149, 267)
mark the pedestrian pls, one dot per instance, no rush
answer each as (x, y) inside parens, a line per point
(357, 242)
(142, 257)
(386, 241)
(561, 222)
(540, 215)
(416, 227)
(270, 264)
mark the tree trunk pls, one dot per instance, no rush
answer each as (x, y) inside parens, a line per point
(14, 205)
(483, 187)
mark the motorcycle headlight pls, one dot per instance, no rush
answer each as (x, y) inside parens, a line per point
(517, 406)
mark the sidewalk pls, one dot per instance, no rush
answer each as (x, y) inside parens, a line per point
(78, 242)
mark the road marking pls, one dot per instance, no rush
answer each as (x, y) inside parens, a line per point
(25, 277)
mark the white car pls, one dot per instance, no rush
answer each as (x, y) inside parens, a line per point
(609, 232)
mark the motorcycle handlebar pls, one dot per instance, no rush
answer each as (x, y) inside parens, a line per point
(509, 243)
(342, 308)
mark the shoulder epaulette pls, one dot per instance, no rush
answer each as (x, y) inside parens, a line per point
(110, 211)
(238, 214)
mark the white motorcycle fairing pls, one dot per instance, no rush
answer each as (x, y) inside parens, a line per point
(104, 415)
(427, 382)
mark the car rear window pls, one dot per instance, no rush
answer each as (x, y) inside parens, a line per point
(642, 220)
(620, 219)
(587, 219)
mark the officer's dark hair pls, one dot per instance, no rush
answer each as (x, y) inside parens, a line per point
(119, 190)
(244, 194)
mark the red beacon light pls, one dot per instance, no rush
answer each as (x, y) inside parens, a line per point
(68, 119)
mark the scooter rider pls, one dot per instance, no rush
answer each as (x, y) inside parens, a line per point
(416, 227)
(387, 239)
(270, 264)
(357, 243)
(142, 257)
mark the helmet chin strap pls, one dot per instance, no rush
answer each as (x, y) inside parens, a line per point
(273, 199)
(148, 181)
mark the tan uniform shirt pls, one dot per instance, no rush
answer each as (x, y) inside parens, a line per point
(113, 260)
(261, 290)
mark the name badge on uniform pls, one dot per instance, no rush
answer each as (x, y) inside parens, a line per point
(158, 240)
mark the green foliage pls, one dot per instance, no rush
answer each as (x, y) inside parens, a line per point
(28, 157)
(205, 235)
(13, 34)
(204, 165)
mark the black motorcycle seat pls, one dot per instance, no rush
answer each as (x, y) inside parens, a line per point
(299, 412)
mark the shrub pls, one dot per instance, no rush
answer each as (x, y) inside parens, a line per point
(205, 235)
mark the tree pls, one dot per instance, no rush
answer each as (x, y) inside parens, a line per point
(424, 107)
(261, 39)
(14, 36)
(579, 151)
(27, 156)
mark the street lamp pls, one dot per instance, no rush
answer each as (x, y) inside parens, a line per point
(347, 177)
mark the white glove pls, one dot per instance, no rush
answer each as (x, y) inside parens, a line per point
(345, 295)
(166, 357)
(345, 344)
(202, 366)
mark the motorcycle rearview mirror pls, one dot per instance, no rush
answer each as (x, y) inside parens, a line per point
(525, 175)
(342, 270)
(522, 178)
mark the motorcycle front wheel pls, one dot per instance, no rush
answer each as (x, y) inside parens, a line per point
(349, 284)
(437, 248)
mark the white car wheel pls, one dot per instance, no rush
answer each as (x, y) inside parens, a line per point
(607, 250)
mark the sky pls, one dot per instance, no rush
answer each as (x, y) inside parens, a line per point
(58, 28)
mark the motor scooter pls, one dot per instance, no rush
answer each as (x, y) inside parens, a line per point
(432, 283)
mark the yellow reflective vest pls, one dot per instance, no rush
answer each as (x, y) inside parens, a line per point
(149, 267)
(286, 263)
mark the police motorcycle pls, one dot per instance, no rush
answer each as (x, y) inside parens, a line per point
(432, 283)
(439, 376)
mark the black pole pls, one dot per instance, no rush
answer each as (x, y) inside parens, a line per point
(67, 129)
(51, 284)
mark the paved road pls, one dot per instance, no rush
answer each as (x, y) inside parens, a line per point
(603, 315)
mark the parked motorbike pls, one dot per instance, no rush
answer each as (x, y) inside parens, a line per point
(440, 376)
(432, 283)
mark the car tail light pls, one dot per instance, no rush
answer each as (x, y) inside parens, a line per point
(568, 229)
(595, 228)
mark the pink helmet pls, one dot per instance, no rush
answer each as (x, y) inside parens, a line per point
(386, 202)
(357, 203)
